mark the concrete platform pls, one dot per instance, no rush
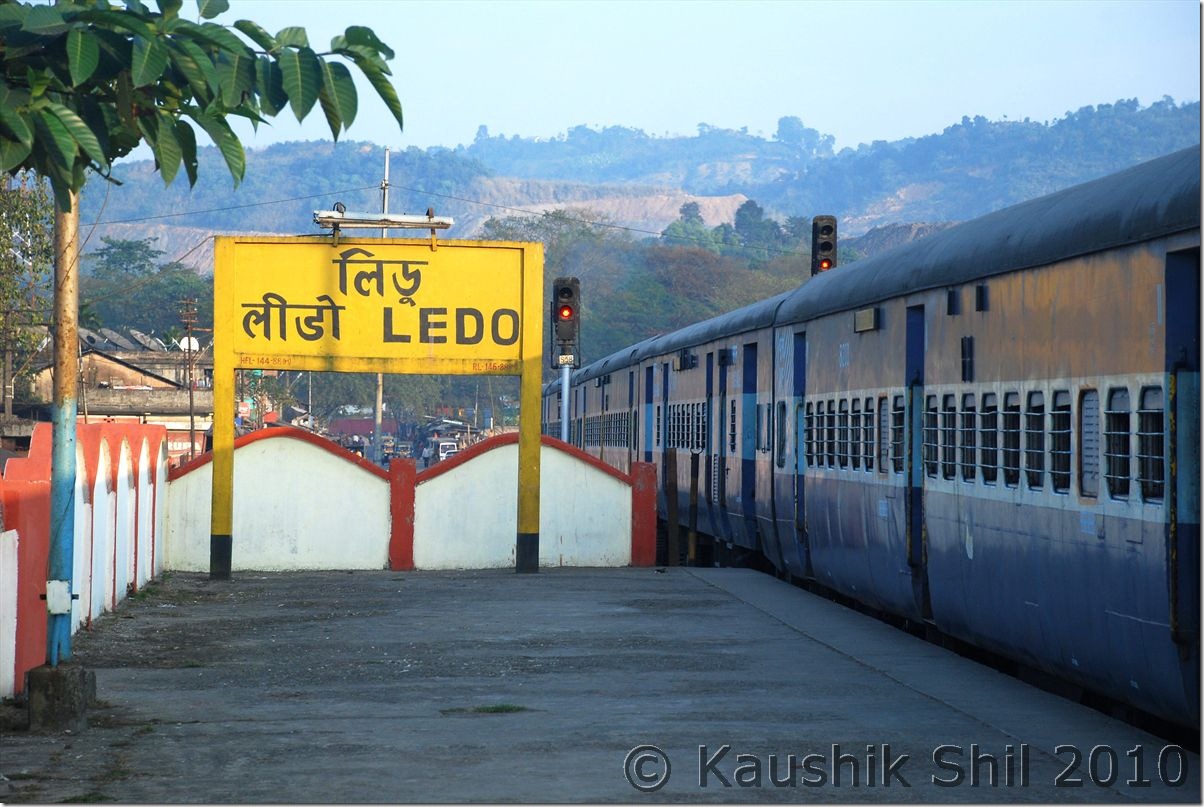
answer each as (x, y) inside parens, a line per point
(491, 686)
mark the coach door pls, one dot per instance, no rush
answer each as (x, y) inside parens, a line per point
(917, 550)
(719, 485)
(1183, 445)
(802, 546)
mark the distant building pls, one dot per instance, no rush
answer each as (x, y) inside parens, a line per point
(142, 385)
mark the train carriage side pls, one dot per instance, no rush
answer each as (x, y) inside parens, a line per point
(1049, 424)
(711, 408)
(842, 495)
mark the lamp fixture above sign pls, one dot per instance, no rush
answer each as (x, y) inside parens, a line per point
(339, 218)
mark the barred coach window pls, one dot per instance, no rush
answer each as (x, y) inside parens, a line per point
(969, 432)
(989, 430)
(1034, 441)
(930, 437)
(1011, 439)
(1151, 445)
(1059, 442)
(898, 422)
(1116, 443)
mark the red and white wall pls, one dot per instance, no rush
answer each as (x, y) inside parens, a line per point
(119, 508)
(300, 503)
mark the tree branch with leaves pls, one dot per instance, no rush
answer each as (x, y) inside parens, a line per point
(83, 83)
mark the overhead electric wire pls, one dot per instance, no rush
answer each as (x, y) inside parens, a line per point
(239, 207)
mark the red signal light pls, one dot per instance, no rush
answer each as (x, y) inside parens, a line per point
(825, 264)
(565, 312)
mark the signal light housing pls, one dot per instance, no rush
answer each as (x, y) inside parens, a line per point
(566, 323)
(823, 244)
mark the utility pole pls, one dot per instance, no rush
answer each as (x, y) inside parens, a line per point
(188, 317)
(380, 378)
(63, 435)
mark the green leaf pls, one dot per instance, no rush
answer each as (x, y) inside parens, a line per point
(125, 99)
(83, 55)
(149, 60)
(359, 35)
(219, 131)
(167, 150)
(11, 117)
(257, 35)
(54, 139)
(301, 76)
(12, 154)
(209, 9)
(337, 96)
(380, 82)
(272, 97)
(222, 37)
(116, 19)
(292, 37)
(364, 57)
(44, 20)
(187, 140)
(80, 133)
(194, 64)
(236, 72)
(170, 9)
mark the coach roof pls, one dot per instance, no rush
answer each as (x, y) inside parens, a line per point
(1151, 200)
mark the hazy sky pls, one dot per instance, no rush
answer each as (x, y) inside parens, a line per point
(860, 71)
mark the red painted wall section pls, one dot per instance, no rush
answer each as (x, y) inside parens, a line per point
(643, 514)
(402, 482)
(26, 506)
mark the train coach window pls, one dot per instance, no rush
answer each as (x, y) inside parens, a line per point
(781, 434)
(1034, 441)
(1151, 445)
(830, 430)
(949, 437)
(731, 430)
(1059, 442)
(930, 437)
(969, 433)
(760, 428)
(855, 435)
(1116, 443)
(898, 421)
(809, 439)
(1089, 443)
(989, 429)
(883, 442)
(867, 433)
(1011, 439)
(842, 444)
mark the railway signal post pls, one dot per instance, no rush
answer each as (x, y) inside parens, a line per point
(566, 336)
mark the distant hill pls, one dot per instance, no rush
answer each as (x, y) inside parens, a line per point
(641, 181)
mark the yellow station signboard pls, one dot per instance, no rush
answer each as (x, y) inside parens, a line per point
(396, 305)
(383, 306)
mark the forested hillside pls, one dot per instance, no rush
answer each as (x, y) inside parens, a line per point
(641, 181)
(661, 231)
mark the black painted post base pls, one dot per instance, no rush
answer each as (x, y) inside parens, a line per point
(526, 554)
(219, 556)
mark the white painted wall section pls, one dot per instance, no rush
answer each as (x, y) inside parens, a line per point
(467, 518)
(296, 506)
(8, 613)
